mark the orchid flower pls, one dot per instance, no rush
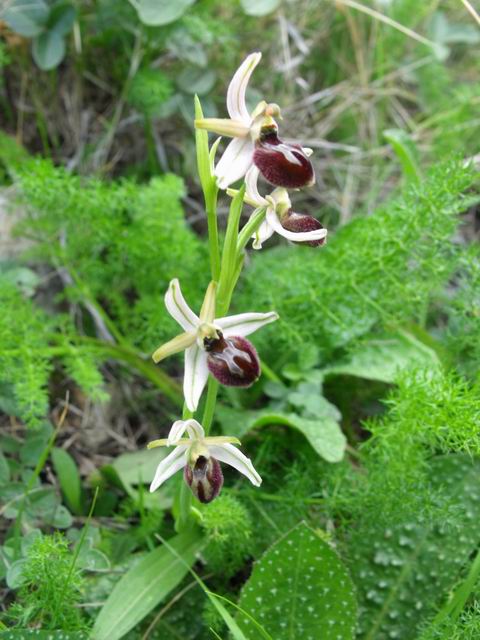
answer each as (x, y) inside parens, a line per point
(212, 345)
(255, 139)
(280, 218)
(200, 457)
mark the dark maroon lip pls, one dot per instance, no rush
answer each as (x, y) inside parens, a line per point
(232, 361)
(205, 478)
(281, 163)
(301, 223)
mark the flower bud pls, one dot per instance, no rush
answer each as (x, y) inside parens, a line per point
(205, 478)
(301, 223)
(232, 361)
(282, 164)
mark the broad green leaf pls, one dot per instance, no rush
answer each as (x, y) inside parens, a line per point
(185, 47)
(259, 7)
(48, 50)
(92, 560)
(403, 571)
(69, 478)
(136, 468)
(144, 586)
(195, 80)
(405, 151)
(26, 17)
(299, 589)
(323, 433)
(15, 577)
(160, 12)
(61, 19)
(22, 277)
(383, 358)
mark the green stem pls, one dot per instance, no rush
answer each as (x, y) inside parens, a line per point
(249, 229)
(210, 403)
(229, 254)
(211, 207)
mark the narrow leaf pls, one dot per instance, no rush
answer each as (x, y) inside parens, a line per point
(69, 479)
(405, 151)
(144, 586)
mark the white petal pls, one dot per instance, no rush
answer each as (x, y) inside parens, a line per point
(245, 323)
(177, 344)
(168, 466)
(196, 375)
(264, 232)
(229, 454)
(179, 309)
(251, 192)
(305, 236)
(236, 106)
(235, 161)
(194, 428)
(224, 127)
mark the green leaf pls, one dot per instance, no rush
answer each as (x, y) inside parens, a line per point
(144, 586)
(48, 50)
(195, 80)
(4, 470)
(92, 560)
(26, 17)
(61, 19)
(383, 358)
(259, 7)
(323, 433)
(69, 479)
(405, 151)
(138, 467)
(300, 589)
(402, 570)
(15, 577)
(160, 12)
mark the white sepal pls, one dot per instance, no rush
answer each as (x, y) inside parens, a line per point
(232, 456)
(235, 161)
(252, 196)
(263, 233)
(168, 466)
(236, 105)
(178, 308)
(196, 375)
(243, 324)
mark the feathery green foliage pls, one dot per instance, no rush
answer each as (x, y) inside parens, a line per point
(51, 587)
(132, 240)
(228, 528)
(378, 270)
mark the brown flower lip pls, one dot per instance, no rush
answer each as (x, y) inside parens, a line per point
(301, 223)
(232, 361)
(205, 479)
(282, 164)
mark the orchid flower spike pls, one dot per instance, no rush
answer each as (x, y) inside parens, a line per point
(280, 218)
(200, 457)
(212, 345)
(255, 139)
